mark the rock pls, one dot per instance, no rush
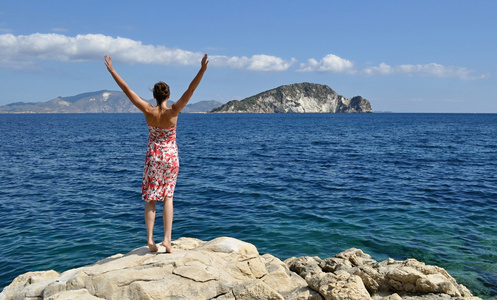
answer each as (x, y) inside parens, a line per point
(73, 295)
(256, 289)
(28, 285)
(297, 98)
(226, 269)
(287, 283)
(330, 285)
(352, 274)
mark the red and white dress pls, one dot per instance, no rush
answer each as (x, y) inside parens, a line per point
(161, 164)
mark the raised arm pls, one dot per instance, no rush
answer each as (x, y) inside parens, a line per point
(135, 99)
(178, 105)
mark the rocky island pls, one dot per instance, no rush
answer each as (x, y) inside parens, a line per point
(226, 268)
(298, 98)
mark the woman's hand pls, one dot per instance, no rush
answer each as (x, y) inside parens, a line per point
(178, 105)
(108, 63)
(204, 62)
(141, 104)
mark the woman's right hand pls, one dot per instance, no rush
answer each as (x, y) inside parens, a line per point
(204, 62)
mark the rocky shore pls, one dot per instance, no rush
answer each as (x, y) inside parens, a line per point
(226, 268)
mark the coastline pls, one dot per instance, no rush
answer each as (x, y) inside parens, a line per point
(228, 268)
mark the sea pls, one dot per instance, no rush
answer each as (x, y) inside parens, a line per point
(395, 185)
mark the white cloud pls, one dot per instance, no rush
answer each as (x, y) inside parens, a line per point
(329, 64)
(431, 69)
(335, 64)
(90, 47)
(382, 69)
(27, 49)
(259, 62)
(269, 63)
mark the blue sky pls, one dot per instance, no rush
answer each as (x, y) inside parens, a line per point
(403, 56)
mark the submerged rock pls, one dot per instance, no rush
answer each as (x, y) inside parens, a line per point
(227, 268)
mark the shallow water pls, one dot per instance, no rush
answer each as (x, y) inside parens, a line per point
(394, 185)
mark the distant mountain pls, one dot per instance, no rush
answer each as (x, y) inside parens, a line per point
(95, 102)
(297, 98)
(201, 106)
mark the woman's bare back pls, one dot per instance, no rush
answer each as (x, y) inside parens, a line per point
(164, 117)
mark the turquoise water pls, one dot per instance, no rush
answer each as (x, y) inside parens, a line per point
(394, 185)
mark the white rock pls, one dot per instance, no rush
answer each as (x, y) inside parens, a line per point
(226, 269)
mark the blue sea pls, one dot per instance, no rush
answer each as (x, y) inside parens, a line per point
(418, 186)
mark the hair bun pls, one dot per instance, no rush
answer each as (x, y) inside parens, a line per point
(161, 91)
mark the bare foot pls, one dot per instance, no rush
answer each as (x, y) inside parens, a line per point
(169, 249)
(153, 247)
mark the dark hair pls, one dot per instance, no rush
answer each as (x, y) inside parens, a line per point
(161, 92)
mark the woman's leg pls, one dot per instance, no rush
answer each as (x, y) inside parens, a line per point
(149, 222)
(167, 217)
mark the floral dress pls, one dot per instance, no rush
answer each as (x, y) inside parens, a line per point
(161, 164)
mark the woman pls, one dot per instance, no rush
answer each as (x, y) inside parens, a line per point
(161, 162)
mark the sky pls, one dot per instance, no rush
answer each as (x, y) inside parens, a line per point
(403, 56)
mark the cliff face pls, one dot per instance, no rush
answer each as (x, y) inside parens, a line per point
(297, 98)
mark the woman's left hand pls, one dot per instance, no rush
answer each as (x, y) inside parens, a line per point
(108, 63)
